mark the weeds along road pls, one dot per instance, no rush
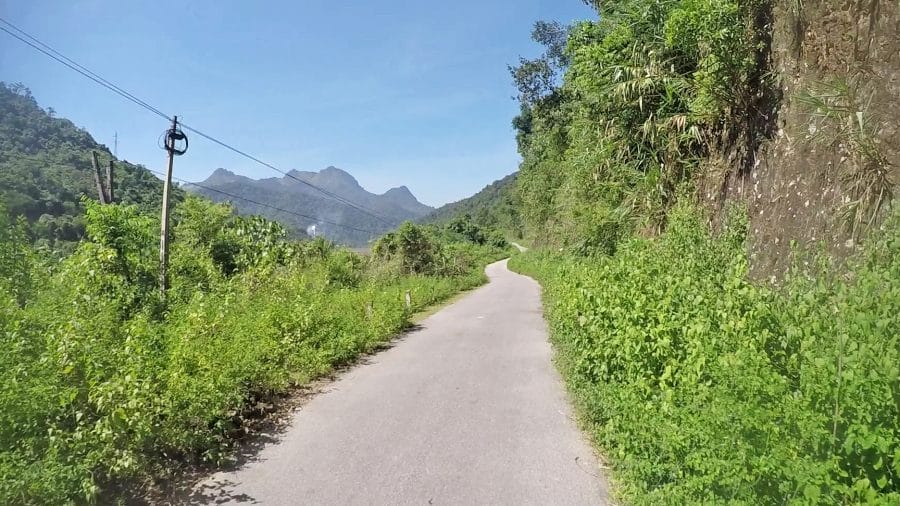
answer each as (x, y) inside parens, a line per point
(468, 409)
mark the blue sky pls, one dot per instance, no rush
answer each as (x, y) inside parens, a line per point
(395, 92)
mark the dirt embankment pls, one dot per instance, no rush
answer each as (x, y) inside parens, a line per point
(826, 174)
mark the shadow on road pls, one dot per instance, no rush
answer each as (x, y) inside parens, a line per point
(218, 492)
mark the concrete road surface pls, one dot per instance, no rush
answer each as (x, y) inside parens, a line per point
(466, 410)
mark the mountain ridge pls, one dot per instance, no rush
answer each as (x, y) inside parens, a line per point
(311, 194)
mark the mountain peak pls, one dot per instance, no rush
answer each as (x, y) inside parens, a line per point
(332, 178)
(332, 172)
(402, 197)
(222, 176)
(400, 191)
(343, 201)
(222, 172)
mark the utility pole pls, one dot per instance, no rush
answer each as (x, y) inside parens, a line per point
(171, 137)
(116, 144)
(96, 164)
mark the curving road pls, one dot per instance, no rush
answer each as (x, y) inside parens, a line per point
(468, 409)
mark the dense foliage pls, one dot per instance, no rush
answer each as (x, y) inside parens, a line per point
(630, 107)
(699, 385)
(101, 379)
(496, 206)
(45, 170)
(702, 387)
(435, 250)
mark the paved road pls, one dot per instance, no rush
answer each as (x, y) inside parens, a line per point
(519, 247)
(467, 410)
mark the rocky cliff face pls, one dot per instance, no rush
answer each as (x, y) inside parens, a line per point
(832, 163)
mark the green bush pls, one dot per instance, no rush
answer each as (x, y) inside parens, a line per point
(702, 387)
(450, 250)
(410, 246)
(647, 91)
(16, 258)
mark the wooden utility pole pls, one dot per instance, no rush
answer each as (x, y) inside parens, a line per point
(164, 219)
(110, 197)
(95, 161)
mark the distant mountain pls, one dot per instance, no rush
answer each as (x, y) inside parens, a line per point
(45, 169)
(496, 205)
(313, 211)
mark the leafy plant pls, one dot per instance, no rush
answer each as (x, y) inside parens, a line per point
(648, 90)
(841, 116)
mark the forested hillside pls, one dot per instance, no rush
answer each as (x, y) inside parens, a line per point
(496, 205)
(719, 102)
(45, 170)
(711, 194)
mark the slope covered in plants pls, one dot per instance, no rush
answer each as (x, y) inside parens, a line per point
(45, 170)
(496, 205)
(699, 179)
(702, 387)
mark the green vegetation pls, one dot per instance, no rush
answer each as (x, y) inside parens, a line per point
(699, 385)
(840, 117)
(619, 112)
(704, 388)
(495, 206)
(45, 169)
(102, 380)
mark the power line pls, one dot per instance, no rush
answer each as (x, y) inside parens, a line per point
(56, 55)
(215, 190)
(47, 50)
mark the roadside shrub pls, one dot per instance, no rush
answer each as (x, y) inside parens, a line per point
(16, 257)
(411, 247)
(645, 92)
(345, 269)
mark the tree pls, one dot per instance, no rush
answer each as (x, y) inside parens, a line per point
(539, 77)
(412, 247)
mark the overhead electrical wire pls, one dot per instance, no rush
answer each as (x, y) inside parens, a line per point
(35, 43)
(49, 51)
